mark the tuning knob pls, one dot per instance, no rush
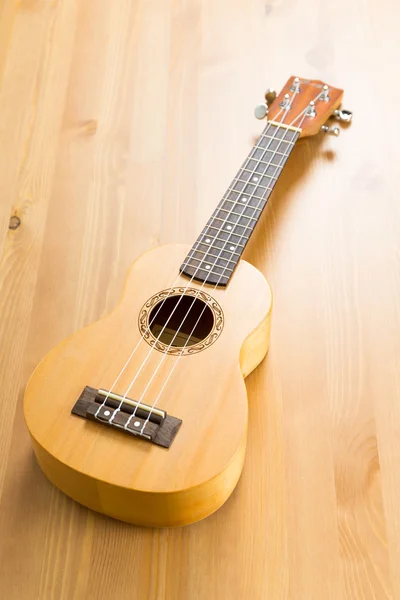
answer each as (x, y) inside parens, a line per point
(270, 96)
(343, 115)
(261, 111)
(330, 130)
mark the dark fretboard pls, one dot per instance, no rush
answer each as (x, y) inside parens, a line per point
(217, 250)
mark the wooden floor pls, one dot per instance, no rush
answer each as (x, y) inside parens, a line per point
(121, 124)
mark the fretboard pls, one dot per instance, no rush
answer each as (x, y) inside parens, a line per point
(216, 252)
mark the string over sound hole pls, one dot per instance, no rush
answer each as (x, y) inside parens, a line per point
(181, 321)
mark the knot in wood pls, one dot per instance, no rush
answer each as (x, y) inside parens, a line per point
(14, 223)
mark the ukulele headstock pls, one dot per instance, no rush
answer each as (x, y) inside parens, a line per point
(306, 104)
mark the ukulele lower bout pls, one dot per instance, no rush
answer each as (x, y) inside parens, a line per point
(162, 482)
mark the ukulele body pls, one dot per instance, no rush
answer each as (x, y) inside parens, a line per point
(121, 475)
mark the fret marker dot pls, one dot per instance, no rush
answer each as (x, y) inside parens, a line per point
(243, 199)
(255, 178)
(231, 247)
(208, 240)
(229, 227)
(136, 423)
(107, 413)
(207, 267)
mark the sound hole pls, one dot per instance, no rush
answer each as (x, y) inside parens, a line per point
(181, 321)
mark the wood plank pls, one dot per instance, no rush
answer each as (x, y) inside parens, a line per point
(121, 126)
(33, 93)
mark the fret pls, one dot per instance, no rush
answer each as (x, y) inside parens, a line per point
(267, 141)
(205, 275)
(209, 268)
(230, 252)
(268, 151)
(255, 183)
(238, 214)
(235, 235)
(230, 189)
(253, 168)
(237, 204)
(277, 132)
(275, 137)
(232, 237)
(217, 239)
(259, 180)
(238, 219)
(246, 211)
(258, 169)
(281, 131)
(263, 162)
(229, 223)
(231, 227)
(209, 264)
(213, 257)
(245, 200)
(273, 145)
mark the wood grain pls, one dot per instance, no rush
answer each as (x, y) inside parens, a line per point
(121, 124)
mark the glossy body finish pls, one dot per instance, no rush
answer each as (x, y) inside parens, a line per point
(128, 478)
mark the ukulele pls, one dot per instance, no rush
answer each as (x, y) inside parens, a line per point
(142, 415)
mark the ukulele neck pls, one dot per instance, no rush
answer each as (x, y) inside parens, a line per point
(216, 252)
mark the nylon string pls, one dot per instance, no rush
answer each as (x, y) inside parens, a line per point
(199, 290)
(201, 287)
(176, 306)
(302, 115)
(191, 333)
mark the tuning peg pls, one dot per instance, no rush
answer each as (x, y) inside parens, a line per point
(311, 112)
(330, 130)
(285, 102)
(270, 96)
(343, 115)
(261, 111)
(324, 95)
(295, 87)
